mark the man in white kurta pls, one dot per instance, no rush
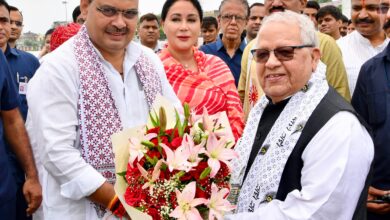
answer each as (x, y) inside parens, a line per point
(71, 185)
(365, 42)
(337, 159)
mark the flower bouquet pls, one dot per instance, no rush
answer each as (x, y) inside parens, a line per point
(175, 167)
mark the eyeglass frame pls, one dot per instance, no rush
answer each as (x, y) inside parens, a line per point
(229, 18)
(132, 13)
(253, 51)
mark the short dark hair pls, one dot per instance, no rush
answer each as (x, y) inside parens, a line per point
(313, 4)
(76, 12)
(209, 21)
(349, 21)
(5, 4)
(13, 8)
(329, 10)
(256, 4)
(148, 17)
(168, 4)
(344, 19)
(243, 2)
(48, 32)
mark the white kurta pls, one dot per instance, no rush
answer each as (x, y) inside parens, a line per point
(53, 126)
(336, 163)
(356, 50)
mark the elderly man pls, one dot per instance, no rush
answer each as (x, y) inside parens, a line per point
(371, 101)
(249, 87)
(93, 85)
(149, 32)
(256, 15)
(304, 154)
(232, 18)
(368, 40)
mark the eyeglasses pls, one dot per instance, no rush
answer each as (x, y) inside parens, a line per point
(284, 53)
(229, 18)
(4, 20)
(111, 11)
(17, 23)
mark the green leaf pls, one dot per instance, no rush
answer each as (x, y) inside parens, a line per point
(186, 108)
(153, 119)
(123, 175)
(178, 124)
(205, 173)
(200, 125)
(180, 174)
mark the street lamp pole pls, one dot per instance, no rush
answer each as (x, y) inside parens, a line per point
(66, 10)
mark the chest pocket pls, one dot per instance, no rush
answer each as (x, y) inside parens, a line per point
(377, 107)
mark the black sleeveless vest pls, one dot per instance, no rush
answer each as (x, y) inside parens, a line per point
(331, 104)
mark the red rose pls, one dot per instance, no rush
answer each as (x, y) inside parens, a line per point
(223, 172)
(173, 132)
(134, 196)
(164, 140)
(199, 169)
(154, 141)
(176, 142)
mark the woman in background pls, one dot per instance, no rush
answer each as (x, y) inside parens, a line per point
(201, 80)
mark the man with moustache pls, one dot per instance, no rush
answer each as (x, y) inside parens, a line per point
(149, 32)
(256, 15)
(232, 18)
(304, 153)
(368, 40)
(330, 56)
(95, 84)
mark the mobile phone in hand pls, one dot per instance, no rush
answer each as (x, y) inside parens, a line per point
(381, 199)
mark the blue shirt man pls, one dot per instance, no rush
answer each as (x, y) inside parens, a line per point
(232, 19)
(371, 100)
(218, 49)
(9, 100)
(23, 66)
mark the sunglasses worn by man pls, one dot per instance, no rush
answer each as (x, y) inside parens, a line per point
(284, 53)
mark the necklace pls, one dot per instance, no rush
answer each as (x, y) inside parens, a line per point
(185, 66)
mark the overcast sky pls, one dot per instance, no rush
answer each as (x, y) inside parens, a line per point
(40, 14)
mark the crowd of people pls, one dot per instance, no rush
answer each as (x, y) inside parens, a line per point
(304, 88)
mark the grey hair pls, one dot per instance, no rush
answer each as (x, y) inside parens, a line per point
(306, 26)
(242, 2)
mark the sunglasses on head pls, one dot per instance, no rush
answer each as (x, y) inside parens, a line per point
(284, 53)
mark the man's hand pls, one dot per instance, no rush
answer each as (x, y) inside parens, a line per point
(33, 194)
(380, 208)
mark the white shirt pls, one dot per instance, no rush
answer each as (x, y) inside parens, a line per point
(336, 163)
(356, 50)
(53, 126)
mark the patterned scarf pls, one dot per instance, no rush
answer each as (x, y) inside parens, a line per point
(98, 114)
(264, 176)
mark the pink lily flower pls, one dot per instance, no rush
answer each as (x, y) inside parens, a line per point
(136, 149)
(186, 209)
(153, 178)
(217, 204)
(177, 160)
(217, 151)
(193, 150)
